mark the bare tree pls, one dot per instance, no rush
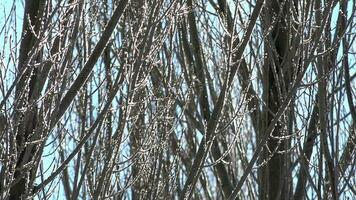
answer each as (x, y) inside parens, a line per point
(172, 99)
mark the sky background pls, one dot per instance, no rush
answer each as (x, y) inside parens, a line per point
(6, 44)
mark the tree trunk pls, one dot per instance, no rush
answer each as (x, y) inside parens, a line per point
(273, 173)
(27, 93)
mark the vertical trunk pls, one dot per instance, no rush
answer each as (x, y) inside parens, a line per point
(27, 93)
(136, 139)
(137, 114)
(273, 174)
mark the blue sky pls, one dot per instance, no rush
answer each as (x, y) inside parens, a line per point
(16, 21)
